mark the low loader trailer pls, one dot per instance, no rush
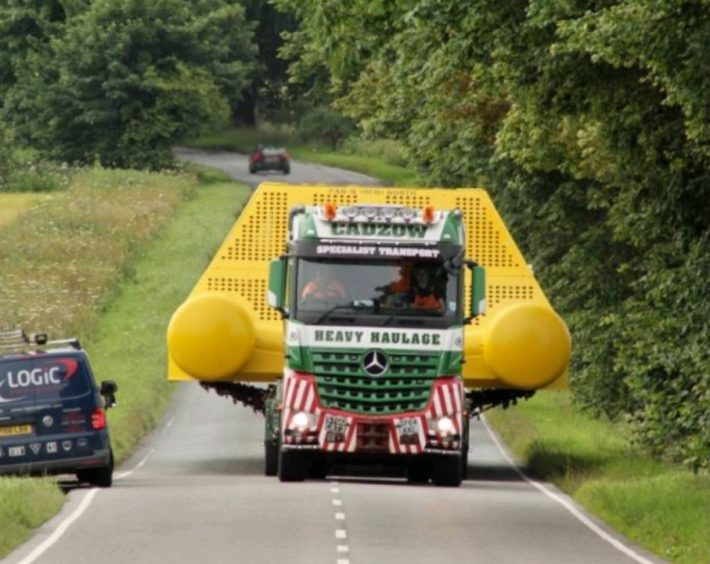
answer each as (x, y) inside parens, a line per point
(369, 324)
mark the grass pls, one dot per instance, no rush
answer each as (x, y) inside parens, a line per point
(63, 263)
(166, 273)
(153, 277)
(12, 206)
(663, 507)
(24, 505)
(361, 158)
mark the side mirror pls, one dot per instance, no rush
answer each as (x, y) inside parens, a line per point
(478, 290)
(108, 391)
(277, 284)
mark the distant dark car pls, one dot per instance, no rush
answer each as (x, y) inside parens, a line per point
(269, 158)
(52, 412)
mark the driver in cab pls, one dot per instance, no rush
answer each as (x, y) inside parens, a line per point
(424, 293)
(323, 286)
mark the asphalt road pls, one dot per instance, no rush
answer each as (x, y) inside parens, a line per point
(195, 492)
(237, 166)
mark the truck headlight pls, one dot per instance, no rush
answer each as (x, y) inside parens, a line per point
(445, 425)
(301, 421)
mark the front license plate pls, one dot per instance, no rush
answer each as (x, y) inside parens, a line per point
(335, 428)
(409, 426)
(11, 430)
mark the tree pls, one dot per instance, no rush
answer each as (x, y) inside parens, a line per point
(126, 80)
(588, 122)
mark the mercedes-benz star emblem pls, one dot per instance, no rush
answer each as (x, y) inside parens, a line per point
(374, 363)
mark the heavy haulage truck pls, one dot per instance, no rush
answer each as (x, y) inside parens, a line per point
(369, 324)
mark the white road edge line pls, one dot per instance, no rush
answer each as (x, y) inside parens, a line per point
(136, 467)
(83, 506)
(168, 424)
(567, 505)
(63, 526)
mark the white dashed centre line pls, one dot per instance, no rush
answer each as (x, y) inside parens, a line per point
(340, 532)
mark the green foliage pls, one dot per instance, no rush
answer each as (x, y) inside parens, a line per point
(389, 150)
(76, 247)
(663, 507)
(323, 126)
(122, 81)
(589, 123)
(24, 505)
(26, 171)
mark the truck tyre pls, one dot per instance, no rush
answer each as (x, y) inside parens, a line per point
(464, 447)
(446, 471)
(319, 468)
(292, 466)
(419, 471)
(271, 457)
(464, 462)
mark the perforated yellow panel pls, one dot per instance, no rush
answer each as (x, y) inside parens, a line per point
(240, 267)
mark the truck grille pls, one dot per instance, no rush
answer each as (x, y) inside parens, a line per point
(404, 386)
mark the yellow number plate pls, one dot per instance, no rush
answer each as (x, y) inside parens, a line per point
(15, 430)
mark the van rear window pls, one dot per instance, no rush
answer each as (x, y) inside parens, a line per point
(32, 380)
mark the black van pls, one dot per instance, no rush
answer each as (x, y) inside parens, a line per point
(52, 414)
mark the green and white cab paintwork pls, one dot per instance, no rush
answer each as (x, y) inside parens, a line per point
(362, 338)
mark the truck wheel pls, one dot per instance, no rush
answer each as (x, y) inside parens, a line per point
(319, 468)
(418, 471)
(446, 471)
(464, 462)
(293, 466)
(271, 457)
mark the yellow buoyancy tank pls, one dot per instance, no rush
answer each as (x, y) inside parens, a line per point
(226, 331)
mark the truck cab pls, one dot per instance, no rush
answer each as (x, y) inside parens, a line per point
(373, 304)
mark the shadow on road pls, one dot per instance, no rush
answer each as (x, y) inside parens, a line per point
(494, 473)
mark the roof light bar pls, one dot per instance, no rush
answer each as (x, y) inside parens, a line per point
(378, 214)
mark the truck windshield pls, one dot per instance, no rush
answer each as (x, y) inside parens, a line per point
(405, 293)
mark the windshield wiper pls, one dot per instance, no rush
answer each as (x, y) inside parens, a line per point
(355, 306)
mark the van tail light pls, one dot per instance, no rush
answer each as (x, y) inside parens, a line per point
(98, 419)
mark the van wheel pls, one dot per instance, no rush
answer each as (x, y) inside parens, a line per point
(447, 471)
(293, 466)
(101, 477)
(271, 457)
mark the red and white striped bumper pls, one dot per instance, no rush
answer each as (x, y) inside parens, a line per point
(306, 424)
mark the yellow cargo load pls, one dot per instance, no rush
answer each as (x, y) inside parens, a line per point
(226, 331)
